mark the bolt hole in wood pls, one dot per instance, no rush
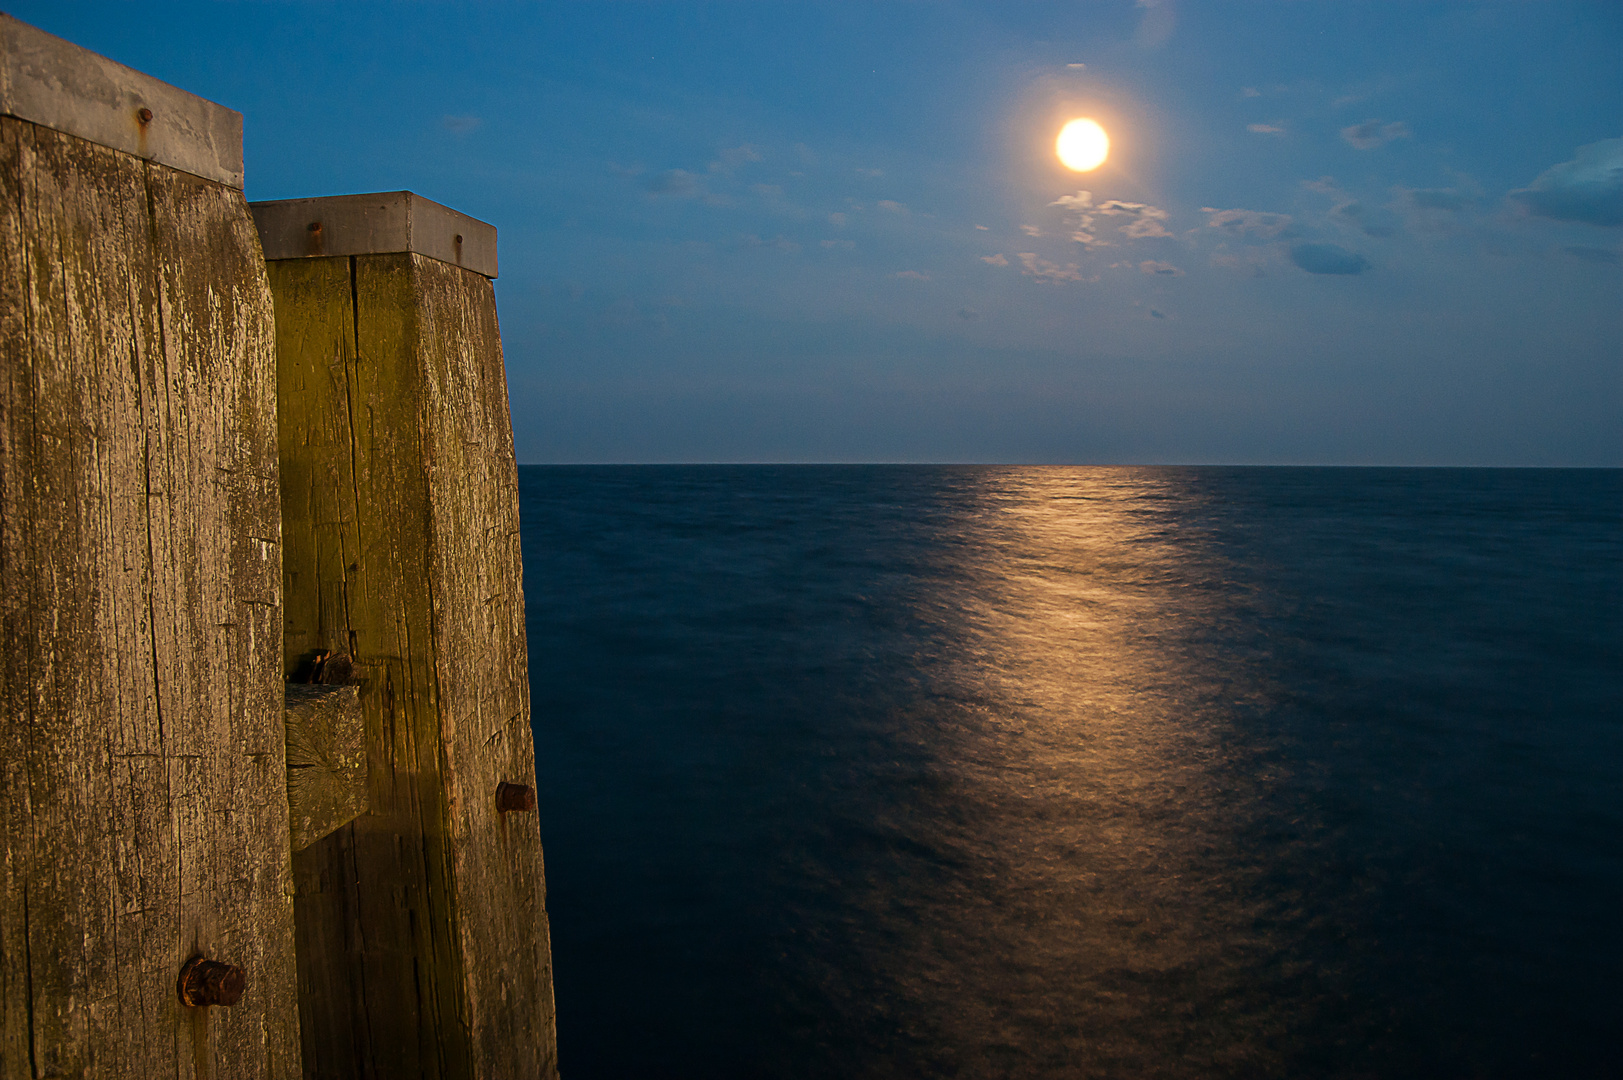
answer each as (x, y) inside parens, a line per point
(515, 798)
(315, 242)
(328, 669)
(206, 982)
(145, 116)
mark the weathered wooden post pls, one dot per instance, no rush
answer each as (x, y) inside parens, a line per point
(422, 931)
(146, 917)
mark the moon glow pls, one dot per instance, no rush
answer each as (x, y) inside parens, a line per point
(1082, 145)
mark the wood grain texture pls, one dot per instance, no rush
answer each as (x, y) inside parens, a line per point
(423, 941)
(142, 789)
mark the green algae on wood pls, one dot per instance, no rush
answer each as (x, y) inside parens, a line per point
(422, 930)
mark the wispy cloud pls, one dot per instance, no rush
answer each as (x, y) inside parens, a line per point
(1255, 223)
(912, 275)
(891, 206)
(995, 260)
(1373, 133)
(1081, 213)
(728, 160)
(1604, 256)
(1589, 188)
(1043, 270)
(1157, 24)
(1146, 219)
(461, 125)
(779, 243)
(1164, 269)
(678, 183)
(1265, 129)
(1328, 259)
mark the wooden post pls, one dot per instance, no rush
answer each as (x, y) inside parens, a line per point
(142, 799)
(423, 948)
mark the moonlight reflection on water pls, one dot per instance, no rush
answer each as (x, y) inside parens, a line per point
(872, 771)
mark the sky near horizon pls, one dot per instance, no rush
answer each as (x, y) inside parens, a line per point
(1372, 233)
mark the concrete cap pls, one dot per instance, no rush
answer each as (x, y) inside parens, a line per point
(376, 224)
(56, 84)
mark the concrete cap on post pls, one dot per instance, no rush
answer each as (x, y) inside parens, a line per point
(377, 224)
(58, 85)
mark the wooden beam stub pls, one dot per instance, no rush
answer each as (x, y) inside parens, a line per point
(326, 760)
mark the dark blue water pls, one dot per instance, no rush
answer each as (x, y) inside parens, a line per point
(1055, 772)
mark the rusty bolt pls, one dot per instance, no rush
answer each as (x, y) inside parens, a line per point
(459, 238)
(514, 797)
(314, 226)
(145, 116)
(209, 982)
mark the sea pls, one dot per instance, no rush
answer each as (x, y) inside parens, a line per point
(951, 771)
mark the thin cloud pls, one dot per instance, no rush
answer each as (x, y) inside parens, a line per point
(728, 160)
(779, 243)
(837, 220)
(1439, 199)
(995, 260)
(1031, 230)
(461, 125)
(1043, 270)
(1256, 223)
(678, 183)
(1604, 256)
(892, 206)
(1078, 215)
(1373, 133)
(1589, 188)
(1157, 24)
(911, 275)
(1265, 129)
(1146, 220)
(1328, 259)
(1164, 269)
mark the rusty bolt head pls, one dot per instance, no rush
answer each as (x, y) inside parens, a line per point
(210, 982)
(145, 116)
(314, 226)
(459, 238)
(514, 797)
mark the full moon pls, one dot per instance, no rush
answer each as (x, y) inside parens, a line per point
(1082, 145)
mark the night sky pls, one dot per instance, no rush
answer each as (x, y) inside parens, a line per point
(1372, 233)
